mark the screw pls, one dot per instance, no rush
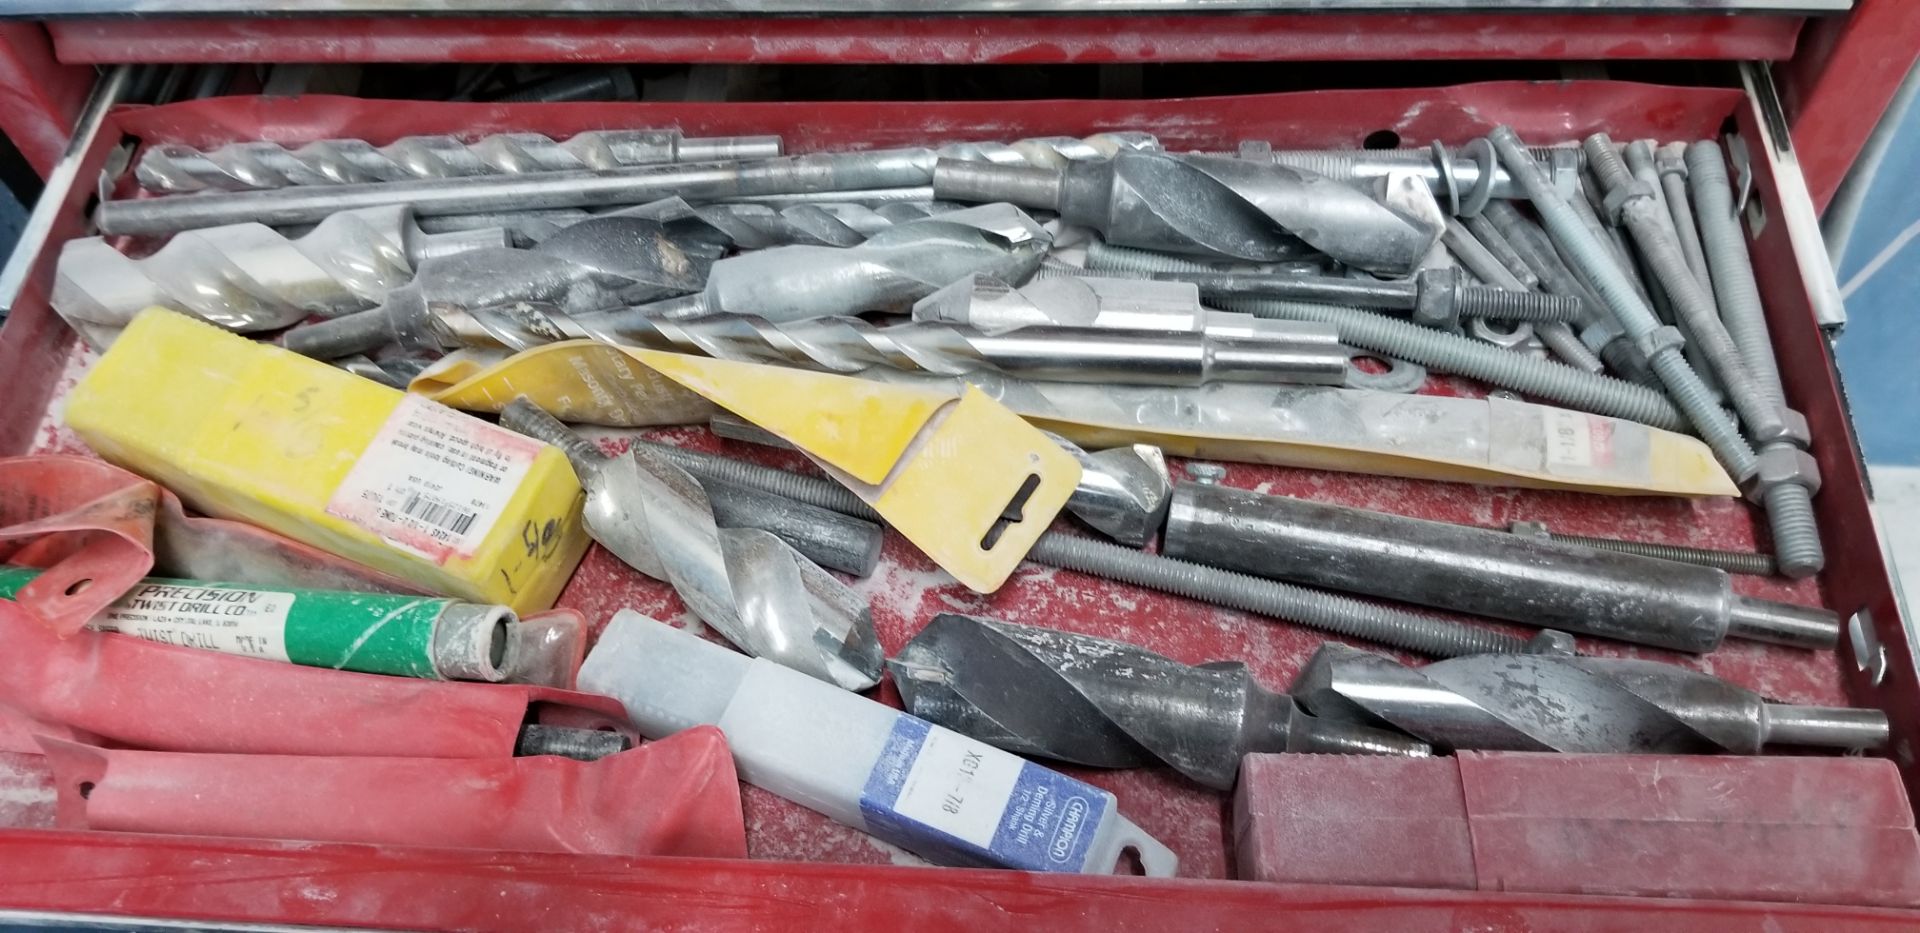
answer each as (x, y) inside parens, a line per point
(1742, 562)
(1328, 612)
(1437, 297)
(1439, 350)
(1495, 262)
(1660, 345)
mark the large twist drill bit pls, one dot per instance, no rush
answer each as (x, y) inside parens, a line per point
(248, 166)
(246, 277)
(754, 588)
(1204, 205)
(1108, 704)
(890, 271)
(856, 176)
(1566, 704)
(851, 345)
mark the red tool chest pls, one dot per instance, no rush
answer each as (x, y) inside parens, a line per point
(809, 870)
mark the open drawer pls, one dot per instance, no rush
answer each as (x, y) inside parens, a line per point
(805, 866)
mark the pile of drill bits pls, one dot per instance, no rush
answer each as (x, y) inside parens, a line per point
(1609, 279)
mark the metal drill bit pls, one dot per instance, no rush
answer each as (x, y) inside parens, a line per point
(1467, 181)
(1109, 704)
(1683, 607)
(754, 588)
(1532, 702)
(566, 742)
(248, 278)
(249, 166)
(747, 226)
(889, 271)
(1116, 304)
(1207, 206)
(885, 174)
(828, 538)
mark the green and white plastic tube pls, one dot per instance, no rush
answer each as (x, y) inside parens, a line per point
(374, 633)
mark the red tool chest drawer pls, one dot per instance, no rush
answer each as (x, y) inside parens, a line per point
(807, 869)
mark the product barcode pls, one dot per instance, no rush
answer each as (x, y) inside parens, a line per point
(435, 512)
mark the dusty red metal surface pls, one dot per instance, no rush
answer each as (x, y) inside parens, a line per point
(39, 97)
(1795, 829)
(929, 39)
(1837, 86)
(907, 590)
(445, 889)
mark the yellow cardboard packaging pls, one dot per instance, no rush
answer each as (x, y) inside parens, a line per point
(249, 431)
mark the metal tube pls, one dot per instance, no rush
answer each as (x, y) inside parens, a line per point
(885, 168)
(1490, 573)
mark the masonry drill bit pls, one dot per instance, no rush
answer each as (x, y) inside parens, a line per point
(247, 278)
(1108, 704)
(897, 174)
(754, 588)
(1204, 205)
(1467, 179)
(249, 166)
(1533, 702)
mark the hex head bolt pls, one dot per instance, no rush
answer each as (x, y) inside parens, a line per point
(1439, 350)
(1789, 476)
(1499, 266)
(1634, 204)
(1660, 345)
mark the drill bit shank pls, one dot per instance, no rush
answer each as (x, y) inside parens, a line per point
(248, 166)
(1108, 704)
(1531, 702)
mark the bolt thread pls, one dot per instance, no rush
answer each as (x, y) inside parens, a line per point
(1796, 536)
(1605, 163)
(1504, 305)
(1103, 257)
(812, 490)
(1692, 396)
(578, 744)
(1741, 562)
(524, 416)
(1463, 356)
(1731, 265)
(1314, 609)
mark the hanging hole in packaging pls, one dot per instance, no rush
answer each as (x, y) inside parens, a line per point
(1130, 862)
(86, 789)
(1012, 514)
(78, 586)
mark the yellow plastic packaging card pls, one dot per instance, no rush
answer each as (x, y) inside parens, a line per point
(248, 431)
(1491, 441)
(941, 464)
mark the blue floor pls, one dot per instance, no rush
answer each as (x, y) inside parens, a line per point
(1879, 351)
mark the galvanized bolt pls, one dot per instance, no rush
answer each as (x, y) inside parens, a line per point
(1660, 345)
(1436, 297)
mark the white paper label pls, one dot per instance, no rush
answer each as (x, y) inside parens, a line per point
(1569, 439)
(245, 622)
(959, 786)
(434, 481)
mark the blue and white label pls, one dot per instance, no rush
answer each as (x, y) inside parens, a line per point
(961, 802)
